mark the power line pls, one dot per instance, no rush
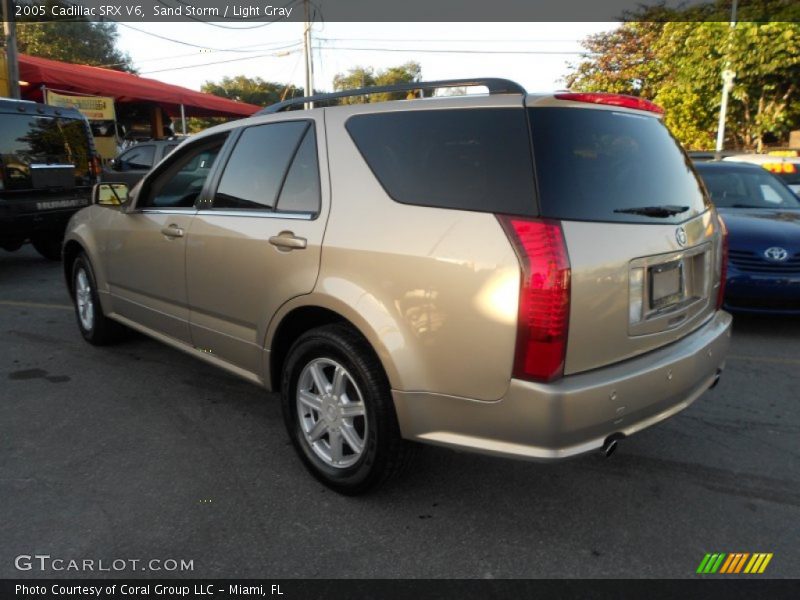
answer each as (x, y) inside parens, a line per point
(230, 60)
(278, 45)
(168, 39)
(443, 51)
(447, 40)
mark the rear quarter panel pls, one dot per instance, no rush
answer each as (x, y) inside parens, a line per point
(435, 291)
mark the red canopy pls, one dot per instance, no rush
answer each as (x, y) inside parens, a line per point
(123, 87)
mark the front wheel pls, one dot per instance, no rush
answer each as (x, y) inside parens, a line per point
(95, 327)
(339, 412)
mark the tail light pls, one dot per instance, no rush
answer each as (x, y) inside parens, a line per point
(544, 296)
(621, 100)
(722, 261)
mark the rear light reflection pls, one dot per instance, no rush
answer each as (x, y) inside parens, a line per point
(544, 297)
(95, 167)
(722, 261)
(636, 296)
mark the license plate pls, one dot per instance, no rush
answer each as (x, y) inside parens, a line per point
(666, 284)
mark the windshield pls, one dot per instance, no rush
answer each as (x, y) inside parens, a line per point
(746, 188)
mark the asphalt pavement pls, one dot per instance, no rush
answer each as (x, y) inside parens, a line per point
(137, 451)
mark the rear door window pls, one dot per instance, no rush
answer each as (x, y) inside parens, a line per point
(43, 151)
(257, 167)
(604, 165)
(467, 159)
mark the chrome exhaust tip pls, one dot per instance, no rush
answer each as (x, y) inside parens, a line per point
(610, 445)
(716, 379)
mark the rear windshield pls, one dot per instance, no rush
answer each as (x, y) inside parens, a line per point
(468, 159)
(604, 165)
(38, 150)
(746, 188)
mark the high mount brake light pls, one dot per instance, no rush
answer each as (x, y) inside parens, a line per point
(621, 100)
(544, 297)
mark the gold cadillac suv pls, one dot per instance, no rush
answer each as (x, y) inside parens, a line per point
(530, 276)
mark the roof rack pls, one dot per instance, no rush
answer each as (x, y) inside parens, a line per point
(494, 85)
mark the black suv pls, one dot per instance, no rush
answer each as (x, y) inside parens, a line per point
(48, 165)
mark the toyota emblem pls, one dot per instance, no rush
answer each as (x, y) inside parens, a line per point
(776, 254)
(680, 236)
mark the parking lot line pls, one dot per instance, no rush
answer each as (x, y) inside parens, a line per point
(34, 304)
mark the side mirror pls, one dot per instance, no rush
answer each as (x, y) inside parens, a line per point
(110, 194)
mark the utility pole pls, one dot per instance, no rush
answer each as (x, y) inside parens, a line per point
(309, 91)
(727, 84)
(10, 32)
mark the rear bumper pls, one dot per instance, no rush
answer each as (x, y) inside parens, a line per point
(20, 220)
(576, 414)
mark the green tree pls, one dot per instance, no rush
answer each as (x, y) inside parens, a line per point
(621, 61)
(679, 64)
(253, 90)
(75, 41)
(765, 98)
(359, 77)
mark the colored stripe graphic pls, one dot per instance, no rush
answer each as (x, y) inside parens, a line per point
(727, 564)
(765, 563)
(740, 564)
(703, 563)
(717, 564)
(754, 563)
(734, 563)
(713, 563)
(730, 564)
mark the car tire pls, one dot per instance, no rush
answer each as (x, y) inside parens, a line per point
(346, 433)
(48, 245)
(96, 328)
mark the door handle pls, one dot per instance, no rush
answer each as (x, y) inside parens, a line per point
(173, 231)
(288, 241)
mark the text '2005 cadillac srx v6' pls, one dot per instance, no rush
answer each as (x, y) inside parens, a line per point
(531, 276)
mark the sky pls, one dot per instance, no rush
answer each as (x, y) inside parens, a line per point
(533, 54)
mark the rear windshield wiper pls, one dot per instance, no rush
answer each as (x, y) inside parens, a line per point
(662, 212)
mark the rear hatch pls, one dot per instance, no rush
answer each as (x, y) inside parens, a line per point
(45, 162)
(642, 240)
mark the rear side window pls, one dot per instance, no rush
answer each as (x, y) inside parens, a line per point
(467, 159)
(43, 152)
(301, 192)
(256, 169)
(599, 165)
